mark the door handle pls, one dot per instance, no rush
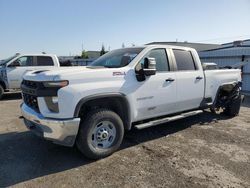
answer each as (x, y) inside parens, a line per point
(199, 78)
(170, 80)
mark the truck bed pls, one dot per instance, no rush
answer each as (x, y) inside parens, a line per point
(216, 78)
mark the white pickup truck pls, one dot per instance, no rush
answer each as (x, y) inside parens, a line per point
(13, 68)
(126, 88)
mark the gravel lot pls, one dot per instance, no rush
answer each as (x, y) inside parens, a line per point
(207, 150)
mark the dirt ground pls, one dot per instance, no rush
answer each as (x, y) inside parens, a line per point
(206, 150)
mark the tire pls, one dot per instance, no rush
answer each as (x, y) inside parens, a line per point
(233, 107)
(100, 134)
(1, 91)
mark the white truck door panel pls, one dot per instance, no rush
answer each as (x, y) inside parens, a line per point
(190, 80)
(15, 76)
(190, 90)
(155, 96)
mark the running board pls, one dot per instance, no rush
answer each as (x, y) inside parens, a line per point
(167, 119)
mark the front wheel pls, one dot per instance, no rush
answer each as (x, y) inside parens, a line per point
(100, 134)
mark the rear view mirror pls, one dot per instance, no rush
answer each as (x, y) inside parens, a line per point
(149, 66)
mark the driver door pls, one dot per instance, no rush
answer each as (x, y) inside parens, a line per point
(156, 96)
(17, 69)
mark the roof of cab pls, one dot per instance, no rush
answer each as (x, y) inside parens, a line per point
(41, 54)
(170, 46)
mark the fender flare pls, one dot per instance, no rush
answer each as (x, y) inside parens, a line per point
(128, 123)
(237, 83)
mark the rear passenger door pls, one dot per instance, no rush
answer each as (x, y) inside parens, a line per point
(190, 80)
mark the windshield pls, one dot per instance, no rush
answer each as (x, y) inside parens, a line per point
(8, 59)
(117, 58)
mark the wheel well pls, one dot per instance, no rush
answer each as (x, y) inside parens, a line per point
(117, 104)
(225, 93)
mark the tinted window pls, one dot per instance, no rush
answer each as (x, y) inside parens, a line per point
(184, 60)
(161, 59)
(24, 61)
(44, 61)
(117, 58)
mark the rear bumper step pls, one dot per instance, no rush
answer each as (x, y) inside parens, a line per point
(167, 119)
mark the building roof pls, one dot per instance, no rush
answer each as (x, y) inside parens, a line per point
(233, 51)
(247, 40)
(197, 46)
(239, 44)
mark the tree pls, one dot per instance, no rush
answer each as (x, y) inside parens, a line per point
(102, 52)
(84, 55)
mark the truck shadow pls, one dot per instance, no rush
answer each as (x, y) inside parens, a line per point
(11, 96)
(136, 137)
(25, 157)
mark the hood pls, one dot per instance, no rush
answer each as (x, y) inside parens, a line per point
(75, 74)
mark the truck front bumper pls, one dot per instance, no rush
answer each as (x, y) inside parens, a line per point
(59, 131)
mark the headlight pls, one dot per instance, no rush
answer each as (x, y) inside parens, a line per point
(57, 84)
(52, 99)
(52, 104)
(55, 100)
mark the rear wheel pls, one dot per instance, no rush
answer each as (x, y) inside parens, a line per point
(1, 91)
(233, 108)
(100, 134)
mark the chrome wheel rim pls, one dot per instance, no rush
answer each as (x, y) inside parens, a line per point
(103, 135)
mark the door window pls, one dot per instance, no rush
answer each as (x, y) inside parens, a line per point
(184, 60)
(24, 61)
(44, 61)
(160, 56)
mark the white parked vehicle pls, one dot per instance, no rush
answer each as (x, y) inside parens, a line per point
(126, 88)
(13, 69)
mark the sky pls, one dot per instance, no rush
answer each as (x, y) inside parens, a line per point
(65, 27)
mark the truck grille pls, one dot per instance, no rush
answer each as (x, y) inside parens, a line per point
(30, 84)
(31, 101)
(29, 94)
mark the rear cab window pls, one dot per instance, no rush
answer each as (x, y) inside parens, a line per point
(184, 60)
(44, 61)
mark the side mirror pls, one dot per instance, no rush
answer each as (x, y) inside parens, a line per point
(149, 66)
(14, 64)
